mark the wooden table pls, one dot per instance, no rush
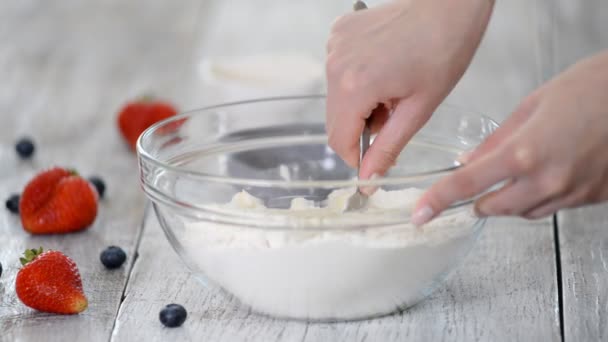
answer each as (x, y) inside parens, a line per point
(67, 66)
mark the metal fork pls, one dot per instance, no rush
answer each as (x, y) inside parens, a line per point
(359, 199)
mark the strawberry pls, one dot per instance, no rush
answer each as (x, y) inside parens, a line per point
(136, 116)
(50, 282)
(57, 201)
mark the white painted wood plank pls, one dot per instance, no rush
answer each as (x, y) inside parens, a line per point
(583, 239)
(66, 68)
(579, 31)
(504, 291)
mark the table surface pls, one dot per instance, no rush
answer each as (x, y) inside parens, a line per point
(66, 67)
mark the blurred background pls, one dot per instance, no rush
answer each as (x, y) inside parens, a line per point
(80, 59)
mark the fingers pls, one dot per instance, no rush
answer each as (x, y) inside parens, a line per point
(470, 180)
(572, 199)
(378, 118)
(547, 209)
(349, 103)
(346, 117)
(498, 158)
(352, 87)
(344, 140)
(516, 198)
(407, 118)
(505, 130)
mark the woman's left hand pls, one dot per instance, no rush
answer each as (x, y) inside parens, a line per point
(552, 151)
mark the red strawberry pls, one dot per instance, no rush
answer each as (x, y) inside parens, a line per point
(57, 201)
(50, 282)
(137, 116)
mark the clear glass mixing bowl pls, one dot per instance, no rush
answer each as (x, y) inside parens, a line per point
(310, 263)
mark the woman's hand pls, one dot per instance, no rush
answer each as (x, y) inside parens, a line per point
(407, 55)
(552, 151)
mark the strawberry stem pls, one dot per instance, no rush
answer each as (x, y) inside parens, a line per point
(147, 97)
(30, 255)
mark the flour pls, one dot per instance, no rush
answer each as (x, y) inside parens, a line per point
(323, 274)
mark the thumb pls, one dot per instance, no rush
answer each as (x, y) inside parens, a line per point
(407, 118)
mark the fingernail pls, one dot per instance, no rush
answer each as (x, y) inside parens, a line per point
(369, 190)
(422, 216)
(464, 157)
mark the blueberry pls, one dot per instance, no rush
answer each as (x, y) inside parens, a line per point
(173, 315)
(12, 204)
(25, 148)
(99, 185)
(113, 257)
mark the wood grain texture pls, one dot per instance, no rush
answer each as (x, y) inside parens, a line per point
(583, 239)
(66, 67)
(504, 291)
(579, 31)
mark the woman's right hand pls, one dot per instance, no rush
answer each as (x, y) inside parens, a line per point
(405, 54)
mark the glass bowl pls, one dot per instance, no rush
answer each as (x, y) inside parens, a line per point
(251, 198)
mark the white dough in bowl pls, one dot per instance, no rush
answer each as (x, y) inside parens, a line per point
(330, 274)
